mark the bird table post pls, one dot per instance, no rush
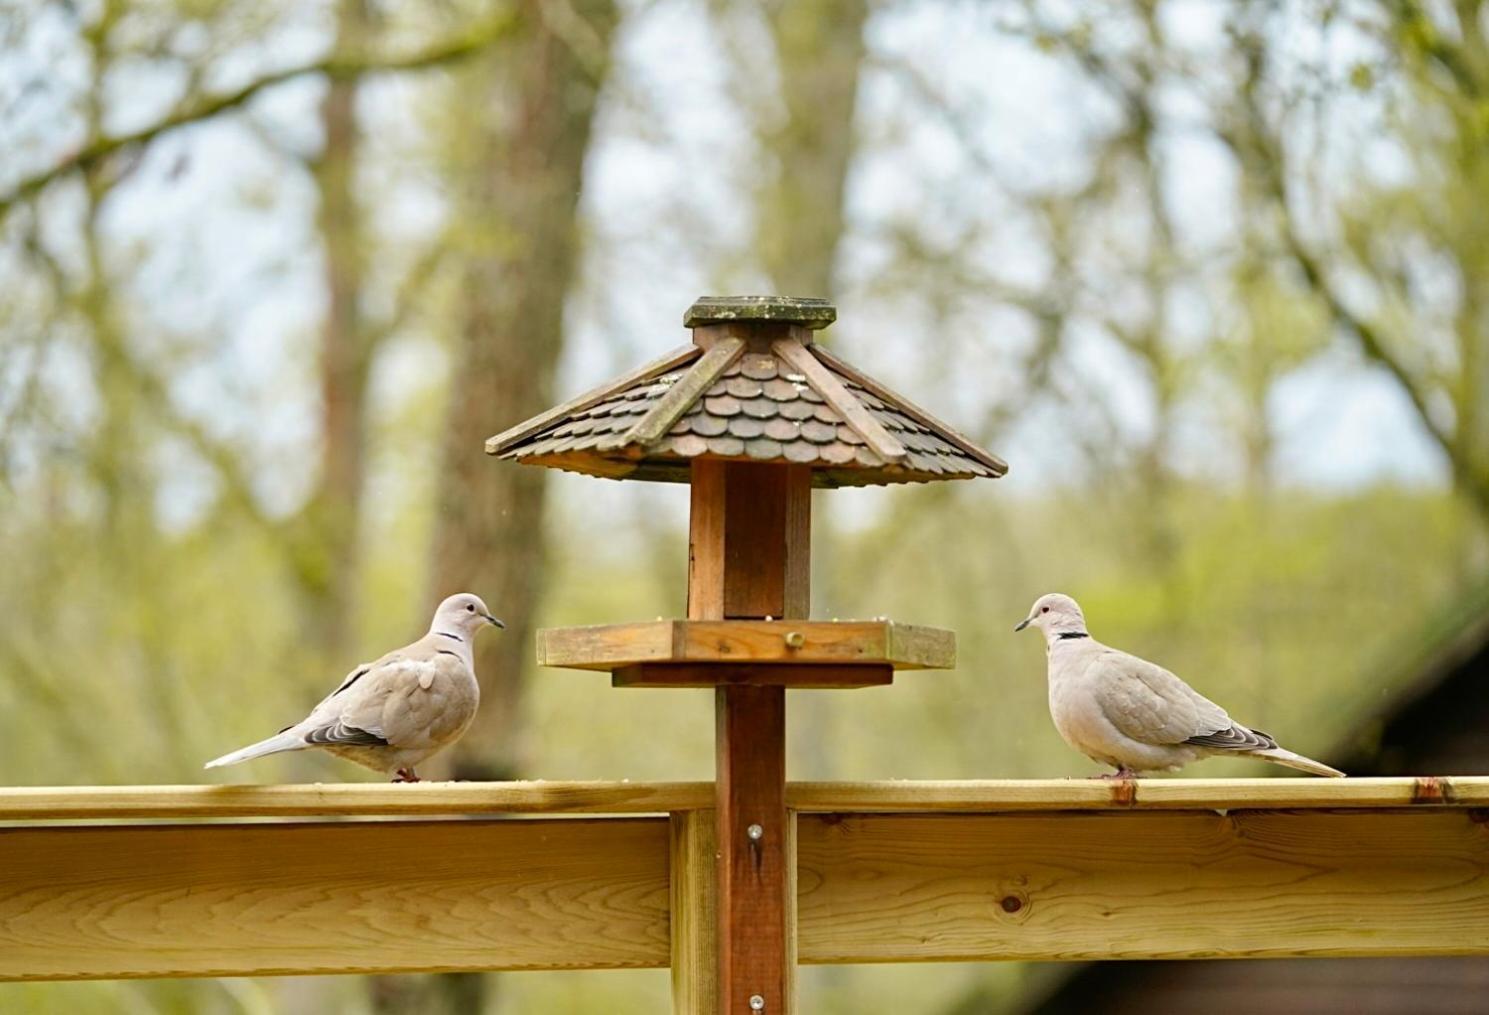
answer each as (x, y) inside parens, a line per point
(753, 413)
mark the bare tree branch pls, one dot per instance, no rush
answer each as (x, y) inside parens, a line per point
(336, 66)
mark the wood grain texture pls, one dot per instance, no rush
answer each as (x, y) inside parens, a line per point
(806, 642)
(895, 888)
(825, 677)
(1013, 795)
(767, 532)
(128, 803)
(753, 909)
(695, 942)
(706, 540)
(249, 900)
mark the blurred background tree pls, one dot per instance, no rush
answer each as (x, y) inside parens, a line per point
(1211, 276)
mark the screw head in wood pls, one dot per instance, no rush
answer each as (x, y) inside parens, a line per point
(755, 833)
(757, 1003)
(795, 639)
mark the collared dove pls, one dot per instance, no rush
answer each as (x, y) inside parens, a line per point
(1132, 714)
(391, 714)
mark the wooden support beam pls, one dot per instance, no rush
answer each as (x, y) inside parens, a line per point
(351, 897)
(695, 939)
(749, 555)
(1142, 885)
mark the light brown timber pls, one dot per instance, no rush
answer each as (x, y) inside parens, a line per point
(128, 803)
(250, 900)
(612, 646)
(695, 942)
(898, 888)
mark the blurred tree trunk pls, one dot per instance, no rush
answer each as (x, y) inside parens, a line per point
(534, 107)
(329, 574)
(534, 102)
(819, 53)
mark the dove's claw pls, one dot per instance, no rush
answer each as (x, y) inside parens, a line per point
(406, 775)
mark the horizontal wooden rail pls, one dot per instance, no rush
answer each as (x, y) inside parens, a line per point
(1141, 885)
(53, 803)
(946, 871)
(105, 902)
(367, 800)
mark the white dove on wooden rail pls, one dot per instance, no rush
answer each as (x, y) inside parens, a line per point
(1132, 714)
(391, 714)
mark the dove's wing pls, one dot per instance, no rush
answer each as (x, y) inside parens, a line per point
(417, 696)
(1146, 702)
(433, 709)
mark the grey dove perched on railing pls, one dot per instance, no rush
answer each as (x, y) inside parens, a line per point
(1132, 714)
(391, 714)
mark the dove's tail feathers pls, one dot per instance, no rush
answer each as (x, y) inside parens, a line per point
(1285, 757)
(287, 740)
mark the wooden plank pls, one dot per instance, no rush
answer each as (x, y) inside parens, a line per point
(350, 897)
(897, 888)
(902, 404)
(807, 642)
(804, 642)
(750, 745)
(797, 593)
(755, 675)
(128, 803)
(604, 646)
(502, 441)
(368, 799)
(706, 541)
(757, 537)
(695, 983)
(668, 409)
(883, 443)
(1015, 795)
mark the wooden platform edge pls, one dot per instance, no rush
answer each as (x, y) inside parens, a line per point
(381, 800)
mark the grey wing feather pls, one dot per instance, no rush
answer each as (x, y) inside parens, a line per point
(1237, 738)
(1149, 704)
(340, 734)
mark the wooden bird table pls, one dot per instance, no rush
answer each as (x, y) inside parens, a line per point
(753, 415)
(747, 636)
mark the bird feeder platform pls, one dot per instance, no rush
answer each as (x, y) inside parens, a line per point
(709, 653)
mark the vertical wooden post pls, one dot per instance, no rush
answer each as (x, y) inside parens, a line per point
(694, 855)
(749, 552)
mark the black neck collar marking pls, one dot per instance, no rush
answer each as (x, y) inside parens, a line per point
(447, 634)
(1067, 635)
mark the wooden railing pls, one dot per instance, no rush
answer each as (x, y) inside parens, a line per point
(103, 882)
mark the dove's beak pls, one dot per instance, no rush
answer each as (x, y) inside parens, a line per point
(496, 622)
(1024, 623)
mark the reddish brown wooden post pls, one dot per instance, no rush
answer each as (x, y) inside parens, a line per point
(749, 547)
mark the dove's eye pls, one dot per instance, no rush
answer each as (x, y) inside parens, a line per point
(469, 608)
(1044, 609)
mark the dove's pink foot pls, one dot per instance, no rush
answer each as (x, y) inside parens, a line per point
(406, 775)
(1121, 773)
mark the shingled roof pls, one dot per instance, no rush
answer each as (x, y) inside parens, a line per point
(755, 386)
